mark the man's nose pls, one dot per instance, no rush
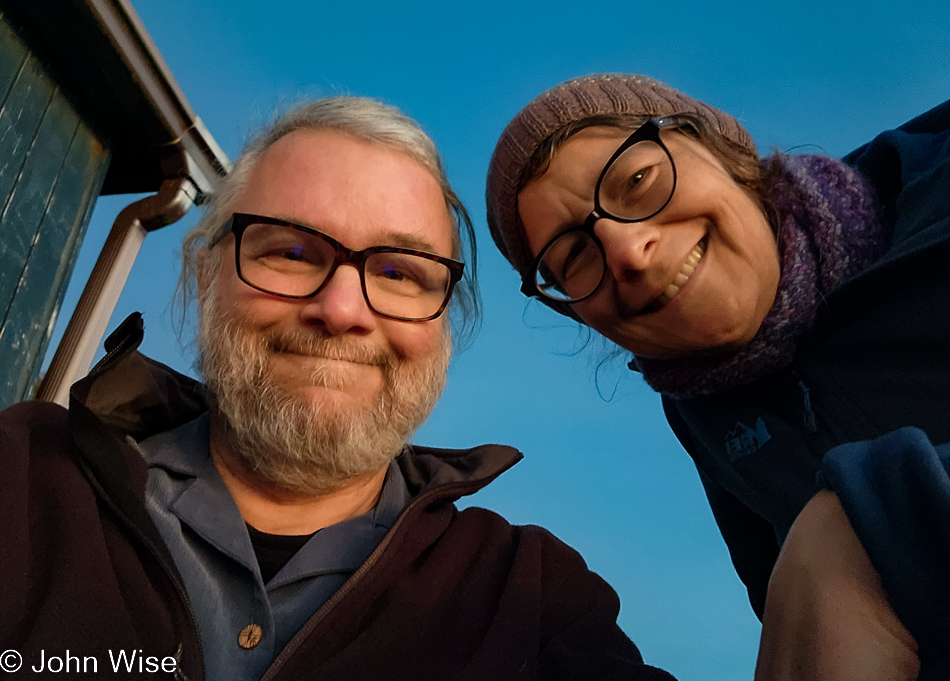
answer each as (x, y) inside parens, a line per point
(629, 247)
(340, 305)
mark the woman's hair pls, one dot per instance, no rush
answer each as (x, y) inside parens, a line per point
(745, 169)
(365, 119)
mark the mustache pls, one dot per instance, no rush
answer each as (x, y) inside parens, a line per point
(324, 346)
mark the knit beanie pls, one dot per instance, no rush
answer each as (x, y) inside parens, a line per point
(595, 95)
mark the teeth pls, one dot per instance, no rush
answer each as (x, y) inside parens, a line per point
(692, 260)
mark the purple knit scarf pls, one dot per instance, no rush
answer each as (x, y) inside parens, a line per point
(830, 229)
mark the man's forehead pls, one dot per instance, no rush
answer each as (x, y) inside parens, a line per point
(333, 154)
(346, 186)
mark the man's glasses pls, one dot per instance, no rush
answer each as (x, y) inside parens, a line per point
(292, 261)
(636, 183)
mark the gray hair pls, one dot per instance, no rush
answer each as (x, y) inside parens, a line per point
(366, 119)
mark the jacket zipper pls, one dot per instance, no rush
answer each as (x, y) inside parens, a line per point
(365, 568)
(98, 369)
(809, 420)
(170, 574)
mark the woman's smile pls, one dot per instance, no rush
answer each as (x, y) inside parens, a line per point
(683, 276)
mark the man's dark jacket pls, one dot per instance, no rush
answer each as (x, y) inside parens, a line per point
(866, 404)
(448, 594)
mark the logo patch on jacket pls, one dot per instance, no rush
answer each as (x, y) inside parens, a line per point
(742, 440)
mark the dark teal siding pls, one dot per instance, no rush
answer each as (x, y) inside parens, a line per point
(51, 169)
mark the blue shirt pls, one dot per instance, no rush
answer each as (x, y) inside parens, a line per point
(209, 542)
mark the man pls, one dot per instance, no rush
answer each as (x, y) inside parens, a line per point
(273, 523)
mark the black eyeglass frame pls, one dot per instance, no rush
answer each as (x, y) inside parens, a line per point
(239, 222)
(648, 132)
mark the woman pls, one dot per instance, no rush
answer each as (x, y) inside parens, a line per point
(794, 313)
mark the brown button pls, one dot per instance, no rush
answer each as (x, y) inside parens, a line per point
(250, 636)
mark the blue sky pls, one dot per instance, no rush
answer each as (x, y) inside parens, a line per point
(605, 475)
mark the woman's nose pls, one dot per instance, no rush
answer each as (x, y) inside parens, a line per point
(629, 247)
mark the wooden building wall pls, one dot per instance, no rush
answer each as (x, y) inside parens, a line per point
(51, 170)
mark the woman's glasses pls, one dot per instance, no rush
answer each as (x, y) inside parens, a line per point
(636, 183)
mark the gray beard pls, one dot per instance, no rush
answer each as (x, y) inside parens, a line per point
(291, 445)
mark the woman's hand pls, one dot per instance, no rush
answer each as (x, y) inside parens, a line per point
(826, 615)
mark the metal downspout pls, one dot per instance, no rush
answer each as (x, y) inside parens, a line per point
(98, 300)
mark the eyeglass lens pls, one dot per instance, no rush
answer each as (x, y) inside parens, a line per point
(638, 183)
(636, 186)
(290, 262)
